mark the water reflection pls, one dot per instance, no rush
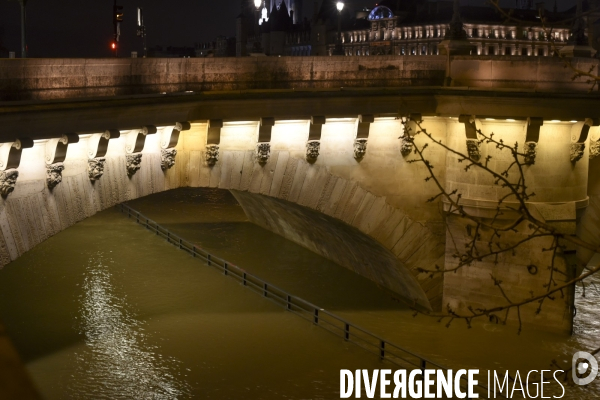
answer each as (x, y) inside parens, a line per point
(212, 219)
(117, 356)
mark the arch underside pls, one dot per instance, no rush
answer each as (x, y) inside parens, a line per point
(336, 241)
(341, 208)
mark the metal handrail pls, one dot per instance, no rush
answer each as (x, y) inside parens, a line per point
(350, 332)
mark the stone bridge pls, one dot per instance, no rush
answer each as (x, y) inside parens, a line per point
(312, 150)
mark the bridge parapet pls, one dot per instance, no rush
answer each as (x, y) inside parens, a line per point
(46, 79)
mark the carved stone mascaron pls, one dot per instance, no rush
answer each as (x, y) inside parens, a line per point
(263, 152)
(212, 154)
(530, 153)
(167, 158)
(312, 150)
(54, 174)
(8, 181)
(473, 149)
(134, 162)
(577, 150)
(96, 168)
(406, 146)
(360, 148)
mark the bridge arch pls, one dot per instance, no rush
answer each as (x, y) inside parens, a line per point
(379, 197)
(330, 194)
(388, 246)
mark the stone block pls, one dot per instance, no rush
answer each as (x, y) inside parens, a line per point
(331, 202)
(353, 205)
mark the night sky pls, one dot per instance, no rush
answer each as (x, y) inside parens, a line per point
(83, 28)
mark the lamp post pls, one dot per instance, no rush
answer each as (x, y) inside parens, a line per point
(257, 39)
(23, 24)
(141, 31)
(339, 51)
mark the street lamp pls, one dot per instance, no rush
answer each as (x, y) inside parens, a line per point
(338, 46)
(141, 31)
(257, 4)
(23, 4)
(257, 44)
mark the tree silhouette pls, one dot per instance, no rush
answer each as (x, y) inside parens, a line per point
(500, 236)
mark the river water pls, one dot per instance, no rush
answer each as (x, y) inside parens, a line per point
(106, 310)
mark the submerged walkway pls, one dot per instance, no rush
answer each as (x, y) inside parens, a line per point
(212, 219)
(387, 351)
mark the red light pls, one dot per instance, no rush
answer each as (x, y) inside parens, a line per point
(113, 45)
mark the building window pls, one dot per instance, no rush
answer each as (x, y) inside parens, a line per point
(491, 51)
(508, 51)
(402, 51)
(475, 32)
(524, 51)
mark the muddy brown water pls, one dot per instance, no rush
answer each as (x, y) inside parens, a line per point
(106, 310)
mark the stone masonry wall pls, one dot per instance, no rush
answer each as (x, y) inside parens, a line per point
(589, 228)
(560, 187)
(43, 79)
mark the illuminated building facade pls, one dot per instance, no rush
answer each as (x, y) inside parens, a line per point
(392, 27)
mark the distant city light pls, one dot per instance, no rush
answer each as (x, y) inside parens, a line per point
(340, 6)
